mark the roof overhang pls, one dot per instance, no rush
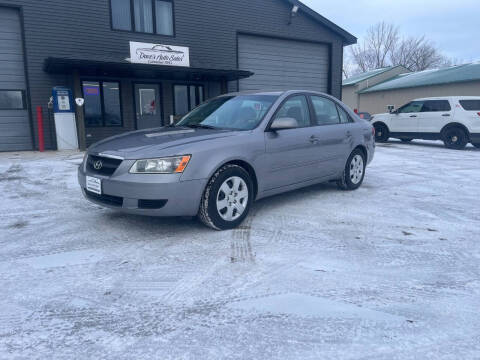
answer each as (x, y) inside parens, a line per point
(348, 39)
(86, 67)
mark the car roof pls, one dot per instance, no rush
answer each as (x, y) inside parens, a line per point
(254, 92)
(449, 98)
(273, 92)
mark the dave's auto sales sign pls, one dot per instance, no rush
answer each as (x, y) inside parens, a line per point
(158, 54)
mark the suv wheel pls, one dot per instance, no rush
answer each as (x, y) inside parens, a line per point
(455, 138)
(354, 171)
(227, 198)
(381, 133)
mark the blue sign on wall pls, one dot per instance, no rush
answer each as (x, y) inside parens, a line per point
(62, 100)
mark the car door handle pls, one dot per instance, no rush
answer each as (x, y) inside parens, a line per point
(349, 134)
(445, 114)
(413, 115)
(313, 139)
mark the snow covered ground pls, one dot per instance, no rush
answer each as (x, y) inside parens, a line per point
(391, 271)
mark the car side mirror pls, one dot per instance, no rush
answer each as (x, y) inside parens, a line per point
(284, 123)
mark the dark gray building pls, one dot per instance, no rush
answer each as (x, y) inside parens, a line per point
(138, 63)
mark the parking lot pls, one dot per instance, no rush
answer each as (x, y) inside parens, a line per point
(389, 271)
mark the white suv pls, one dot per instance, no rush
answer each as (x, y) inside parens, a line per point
(455, 120)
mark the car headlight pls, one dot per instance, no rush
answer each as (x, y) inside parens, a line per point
(168, 165)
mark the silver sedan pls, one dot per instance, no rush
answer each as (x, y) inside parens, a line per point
(228, 152)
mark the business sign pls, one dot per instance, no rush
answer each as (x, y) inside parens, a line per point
(158, 54)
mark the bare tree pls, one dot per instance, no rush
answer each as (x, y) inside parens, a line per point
(417, 54)
(404, 52)
(373, 52)
(383, 46)
(349, 67)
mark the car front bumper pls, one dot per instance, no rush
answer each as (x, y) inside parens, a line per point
(146, 194)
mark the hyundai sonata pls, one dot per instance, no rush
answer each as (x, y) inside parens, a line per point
(228, 152)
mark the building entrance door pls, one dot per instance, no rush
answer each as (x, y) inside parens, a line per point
(148, 106)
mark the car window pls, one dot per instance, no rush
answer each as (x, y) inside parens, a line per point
(470, 105)
(243, 112)
(295, 107)
(436, 105)
(344, 117)
(325, 111)
(412, 107)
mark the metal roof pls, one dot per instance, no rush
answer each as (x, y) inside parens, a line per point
(449, 75)
(364, 76)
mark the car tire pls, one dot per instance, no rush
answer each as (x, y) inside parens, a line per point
(477, 145)
(382, 134)
(354, 171)
(228, 187)
(455, 138)
(406, 140)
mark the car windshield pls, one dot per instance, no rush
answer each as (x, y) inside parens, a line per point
(243, 112)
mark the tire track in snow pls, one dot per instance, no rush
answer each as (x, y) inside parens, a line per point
(240, 245)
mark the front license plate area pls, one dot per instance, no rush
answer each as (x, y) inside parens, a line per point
(94, 185)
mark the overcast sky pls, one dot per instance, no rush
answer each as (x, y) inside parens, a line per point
(454, 26)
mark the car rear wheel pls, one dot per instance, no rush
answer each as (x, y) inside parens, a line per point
(227, 198)
(406, 140)
(354, 171)
(477, 145)
(455, 138)
(381, 133)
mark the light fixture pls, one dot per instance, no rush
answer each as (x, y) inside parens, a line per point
(293, 13)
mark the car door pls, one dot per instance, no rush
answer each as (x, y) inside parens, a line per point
(405, 119)
(290, 153)
(434, 116)
(332, 133)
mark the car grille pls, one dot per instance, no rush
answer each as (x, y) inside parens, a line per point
(105, 199)
(108, 165)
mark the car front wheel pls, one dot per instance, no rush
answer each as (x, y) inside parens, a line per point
(354, 171)
(227, 198)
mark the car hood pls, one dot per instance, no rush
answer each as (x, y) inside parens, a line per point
(149, 142)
